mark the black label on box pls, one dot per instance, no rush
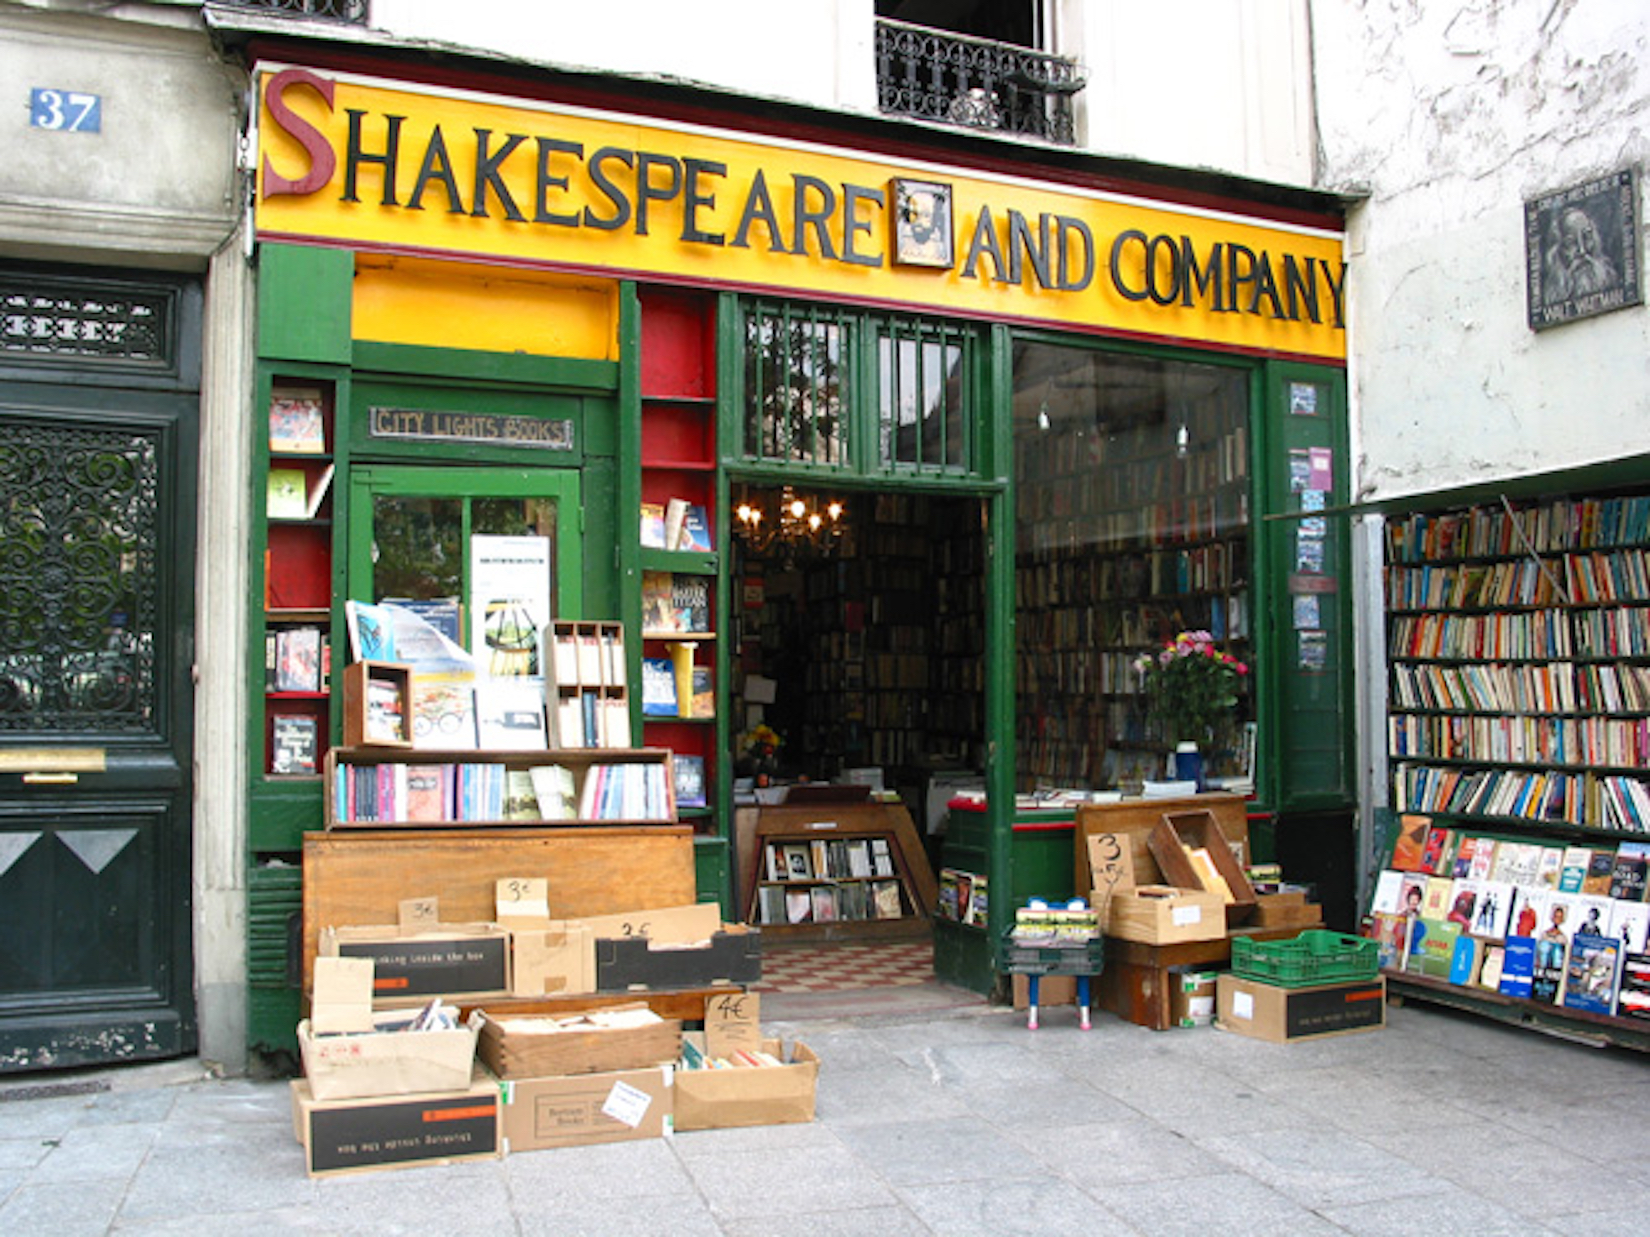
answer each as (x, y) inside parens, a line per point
(394, 1132)
(434, 967)
(1345, 1007)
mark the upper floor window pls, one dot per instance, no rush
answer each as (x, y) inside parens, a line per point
(977, 64)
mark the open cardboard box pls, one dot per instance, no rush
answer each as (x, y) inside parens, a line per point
(1194, 853)
(711, 1099)
(350, 1052)
(445, 959)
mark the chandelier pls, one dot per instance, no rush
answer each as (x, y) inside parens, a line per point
(789, 524)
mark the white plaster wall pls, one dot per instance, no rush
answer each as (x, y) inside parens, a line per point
(809, 51)
(1449, 116)
(1221, 84)
(1196, 83)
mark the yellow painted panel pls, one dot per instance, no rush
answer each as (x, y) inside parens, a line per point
(395, 169)
(490, 309)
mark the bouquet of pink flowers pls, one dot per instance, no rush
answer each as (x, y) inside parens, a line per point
(1190, 684)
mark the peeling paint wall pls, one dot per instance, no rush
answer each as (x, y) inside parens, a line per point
(1450, 116)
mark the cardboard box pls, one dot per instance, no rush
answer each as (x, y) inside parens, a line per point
(454, 959)
(732, 955)
(1052, 990)
(1192, 998)
(1165, 915)
(349, 1051)
(350, 1135)
(713, 1099)
(579, 1109)
(618, 1037)
(386, 1061)
(1287, 1015)
(1188, 846)
(558, 957)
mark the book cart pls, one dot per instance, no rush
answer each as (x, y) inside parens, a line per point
(1518, 741)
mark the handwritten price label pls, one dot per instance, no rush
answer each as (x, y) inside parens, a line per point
(523, 897)
(732, 1022)
(416, 914)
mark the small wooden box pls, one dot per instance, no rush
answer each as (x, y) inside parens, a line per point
(377, 704)
(1200, 831)
(1286, 910)
(1164, 915)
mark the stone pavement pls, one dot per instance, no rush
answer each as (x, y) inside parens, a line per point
(947, 1118)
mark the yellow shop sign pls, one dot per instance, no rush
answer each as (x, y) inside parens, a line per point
(393, 168)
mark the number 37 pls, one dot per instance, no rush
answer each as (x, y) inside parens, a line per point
(66, 110)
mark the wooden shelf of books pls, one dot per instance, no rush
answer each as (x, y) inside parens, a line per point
(298, 579)
(1121, 544)
(680, 555)
(384, 788)
(1519, 747)
(838, 872)
(588, 694)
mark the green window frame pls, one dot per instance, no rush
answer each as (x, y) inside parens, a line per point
(831, 391)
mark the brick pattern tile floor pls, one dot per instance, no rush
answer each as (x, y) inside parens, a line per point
(842, 967)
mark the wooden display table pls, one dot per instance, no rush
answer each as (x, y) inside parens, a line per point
(1135, 984)
(360, 877)
(802, 825)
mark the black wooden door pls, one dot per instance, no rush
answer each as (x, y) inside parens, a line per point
(97, 494)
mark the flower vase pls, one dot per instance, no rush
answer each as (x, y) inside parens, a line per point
(1188, 764)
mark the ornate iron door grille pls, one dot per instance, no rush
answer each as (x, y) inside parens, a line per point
(78, 604)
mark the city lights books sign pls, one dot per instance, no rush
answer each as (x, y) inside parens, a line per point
(399, 167)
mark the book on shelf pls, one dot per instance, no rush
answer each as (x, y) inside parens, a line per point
(689, 774)
(1601, 864)
(1592, 973)
(628, 791)
(1390, 932)
(1573, 868)
(798, 862)
(287, 496)
(1410, 843)
(690, 601)
(294, 743)
(798, 906)
(520, 796)
(658, 602)
(702, 703)
(510, 714)
(675, 513)
(297, 421)
(429, 793)
(316, 492)
(612, 657)
(386, 719)
(1629, 873)
(298, 659)
(443, 709)
(1630, 924)
(659, 688)
(1518, 966)
(653, 526)
(693, 530)
(554, 792)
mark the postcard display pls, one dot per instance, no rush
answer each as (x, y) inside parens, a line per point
(1518, 741)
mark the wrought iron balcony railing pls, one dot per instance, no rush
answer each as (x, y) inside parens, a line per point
(955, 79)
(351, 12)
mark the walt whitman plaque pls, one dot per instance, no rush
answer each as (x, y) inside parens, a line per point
(1581, 247)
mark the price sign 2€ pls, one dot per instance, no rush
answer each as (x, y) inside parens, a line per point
(65, 111)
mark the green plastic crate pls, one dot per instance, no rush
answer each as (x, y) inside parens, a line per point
(1313, 957)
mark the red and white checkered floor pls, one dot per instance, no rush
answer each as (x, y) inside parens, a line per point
(847, 966)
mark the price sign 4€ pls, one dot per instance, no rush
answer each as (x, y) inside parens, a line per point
(65, 111)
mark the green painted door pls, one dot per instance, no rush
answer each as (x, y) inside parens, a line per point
(97, 577)
(422, 532)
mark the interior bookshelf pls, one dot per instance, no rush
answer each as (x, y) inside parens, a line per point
(298, 505)
(837, 872)
(677, 700)
(381, 788)
(1126, 534)
(1518, 640)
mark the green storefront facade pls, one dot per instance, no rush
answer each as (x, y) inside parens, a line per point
(1116, 399)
